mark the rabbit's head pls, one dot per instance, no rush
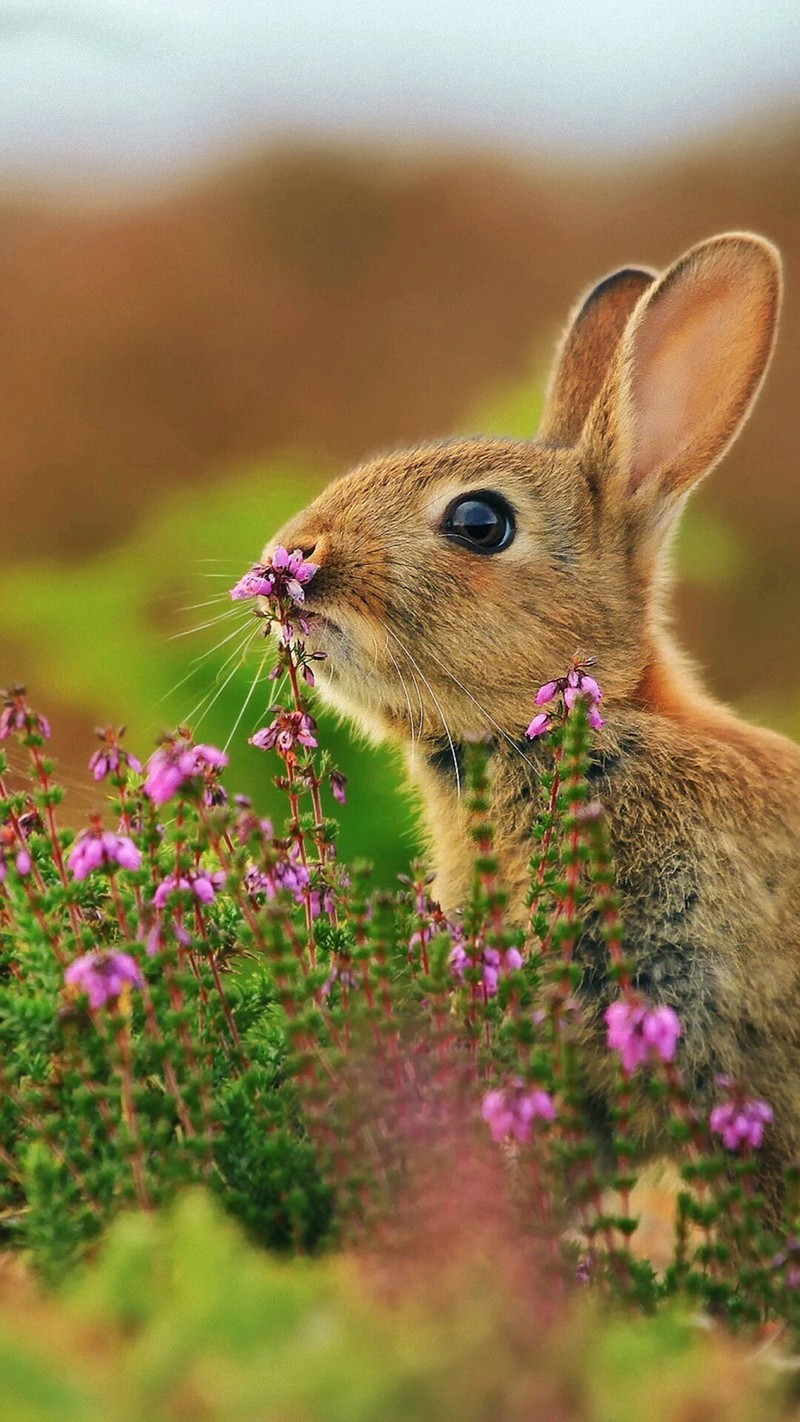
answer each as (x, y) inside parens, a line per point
(455, 578)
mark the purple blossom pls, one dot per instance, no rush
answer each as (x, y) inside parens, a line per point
(546, 693)
(539, 726)
(489, 961)
(204, 884)
(255, 583)
(176, 762)
(285, 575)
(24, 862)
(640, 1033)
(575, 685)
(510, 1111)
(17, 716)
(289, 873)
(740, 1120)
(104, 976)
(111, 758)
(338, 786)
(286, 731)
(97, 847)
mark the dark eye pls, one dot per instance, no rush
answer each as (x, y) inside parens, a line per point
(483, 522)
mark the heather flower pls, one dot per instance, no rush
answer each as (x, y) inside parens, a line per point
(111, 757)
(342, 973)
(539, 726)
(104, 976)
(10, 850)
(17, 716)
(287, 872)
(546, 693)
(285, 575)
(204, 884)
(176, 762)
(511, 1111)
(256, 583)
(338, 786)
(97, 847)
(640, 1033)
(288, 730)
(575, 685)
(740, 1120)
(490, 962)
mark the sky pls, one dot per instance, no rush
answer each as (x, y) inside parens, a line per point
(133, 89)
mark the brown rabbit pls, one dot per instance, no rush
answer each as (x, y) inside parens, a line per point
(456, 578)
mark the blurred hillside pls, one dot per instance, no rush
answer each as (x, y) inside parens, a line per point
(331, 303)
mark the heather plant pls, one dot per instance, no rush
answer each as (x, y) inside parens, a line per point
(190, 993)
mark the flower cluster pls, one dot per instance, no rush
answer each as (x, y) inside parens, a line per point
(97, 848)
(104, 977)
(740, 1120)
(489, 962)
(576, 684)
(16, 716)
(287, 731)
(112, 758)
(639, 1033)
(285, 575)
(178, 761)
(511, 1111)
(204, 884)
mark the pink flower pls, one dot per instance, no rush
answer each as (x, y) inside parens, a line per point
(740, 1120)
(103, 976)
(539, 726)
(510, 1111)
(97, 847)
(24, 862)
(285, 575)
(489, 961)
(288, 730)
(17, 716)
(111, 757)
(204, 884)
(255, 583)
(639, 1033)
(338, 786)
(176, 762)
(546, 693)
(575, 685)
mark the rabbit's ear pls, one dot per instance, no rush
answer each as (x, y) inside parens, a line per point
(586, 351)
(689, 367)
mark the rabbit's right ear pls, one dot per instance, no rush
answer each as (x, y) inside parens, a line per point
(587, 349)
(687, 372)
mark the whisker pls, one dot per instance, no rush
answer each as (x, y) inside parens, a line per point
(436, 703)
(204, 704)
(201, 627)
(246, 701)
(209, 602)
(484, 712)
(396, 666)
(194, 666)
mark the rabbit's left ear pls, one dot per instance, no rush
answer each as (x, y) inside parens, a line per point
(688, 369)
(587, 349)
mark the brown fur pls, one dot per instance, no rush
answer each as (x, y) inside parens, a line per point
(431, 643)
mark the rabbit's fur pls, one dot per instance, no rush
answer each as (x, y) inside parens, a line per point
(430, 643)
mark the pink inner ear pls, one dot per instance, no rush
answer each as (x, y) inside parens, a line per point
(691, 366)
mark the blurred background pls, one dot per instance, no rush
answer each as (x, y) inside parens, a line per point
(244, 245)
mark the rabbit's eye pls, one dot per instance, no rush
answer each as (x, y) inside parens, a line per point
(483, 522)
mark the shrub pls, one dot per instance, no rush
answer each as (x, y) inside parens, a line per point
(197, 995)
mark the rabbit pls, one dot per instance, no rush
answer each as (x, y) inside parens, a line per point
(455, 578)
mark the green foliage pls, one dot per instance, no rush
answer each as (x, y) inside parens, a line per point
(179, 1318)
